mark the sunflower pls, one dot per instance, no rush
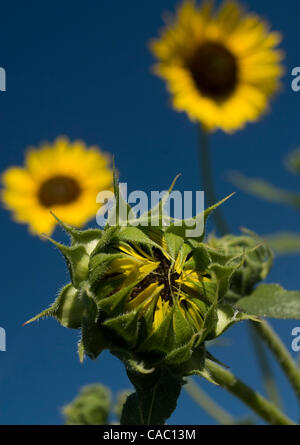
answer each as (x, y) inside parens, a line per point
(62, 177)
(158, 280)
(221, 67)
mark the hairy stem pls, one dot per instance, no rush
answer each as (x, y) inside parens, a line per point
(208, 182)
(281, 353)
(262, 407)
(207, 404)
(265, 367)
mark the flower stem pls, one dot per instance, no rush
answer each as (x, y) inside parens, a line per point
(281, 353)
(265, 367)
(265, 409)
(207, 404)
(207, 180)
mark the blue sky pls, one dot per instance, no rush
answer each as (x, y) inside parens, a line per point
(84, 70)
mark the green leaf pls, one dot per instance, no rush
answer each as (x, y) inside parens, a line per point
(284, 243)
(272, 301)
(293, 161)
(155, 398)
(265, 190)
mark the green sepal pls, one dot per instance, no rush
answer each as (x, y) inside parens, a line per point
(107, 236)
(114, 305)
(77, 261)
(182, 329)
(180, 228)
(209, 291)
(135, 235)
(210, 321)
(93, 339)
(146, 326)
(217, 255)
(174, 244)
(162, 339)
(181, 354)
(195, 363)
(223, 276)
(70, 308)
(125, 326)
(67, 309)
(106, 288)
(99, 266)
(199, 261)
(88, 238)
(92, 336)
(156, 217)
(249, 256)
(226, 316)
(115, 219)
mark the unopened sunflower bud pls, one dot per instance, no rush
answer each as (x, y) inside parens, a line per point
(254, 256)
(91, 407)
(150, 295)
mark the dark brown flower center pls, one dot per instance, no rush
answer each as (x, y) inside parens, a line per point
(161, 275)
(214, 70)
(58, 190)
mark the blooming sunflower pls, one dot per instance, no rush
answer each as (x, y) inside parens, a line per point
(221, 67)
(62, 177)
